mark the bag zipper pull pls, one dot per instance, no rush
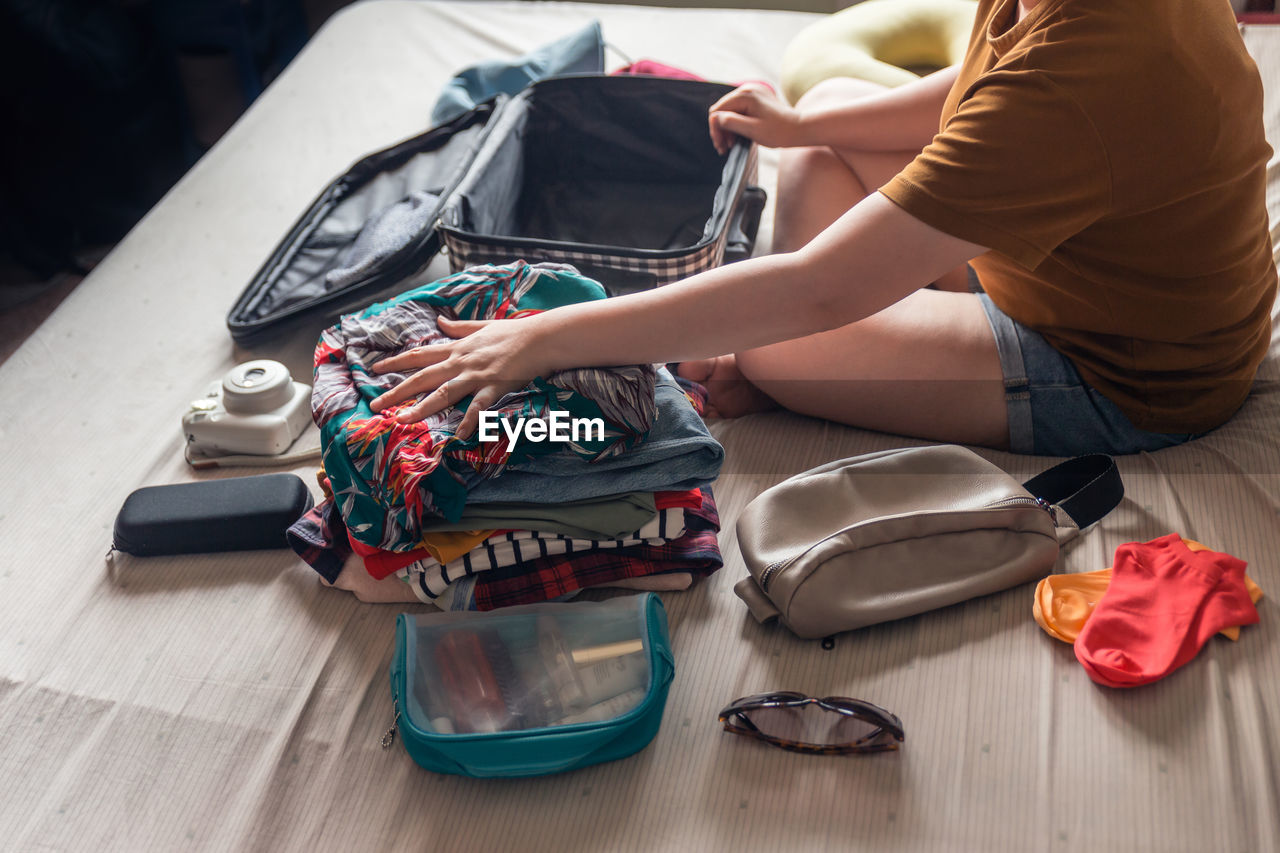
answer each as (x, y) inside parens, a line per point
(390, 737)
(1048, 507)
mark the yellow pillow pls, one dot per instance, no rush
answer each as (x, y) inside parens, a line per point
(878, 40)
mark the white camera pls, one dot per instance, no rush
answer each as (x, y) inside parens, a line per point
(256, 409)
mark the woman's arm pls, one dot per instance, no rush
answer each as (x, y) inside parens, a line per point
(900, 119)
(868, 259)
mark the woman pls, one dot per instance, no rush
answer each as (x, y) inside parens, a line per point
(1103, 167)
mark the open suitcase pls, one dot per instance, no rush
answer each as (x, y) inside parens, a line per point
(613, 174)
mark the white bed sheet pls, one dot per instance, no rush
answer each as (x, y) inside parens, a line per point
(229, 702)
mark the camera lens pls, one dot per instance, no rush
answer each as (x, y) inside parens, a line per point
(257, 387)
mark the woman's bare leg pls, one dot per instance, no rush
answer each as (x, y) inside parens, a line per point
(925, 367)
(817, 185)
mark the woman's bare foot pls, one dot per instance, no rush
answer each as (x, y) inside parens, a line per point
(729, 393)
(354, 579)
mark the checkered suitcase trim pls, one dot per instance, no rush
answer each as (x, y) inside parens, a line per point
(464, 252)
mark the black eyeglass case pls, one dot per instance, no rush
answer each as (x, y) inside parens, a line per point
(613, 174)
(237, 514)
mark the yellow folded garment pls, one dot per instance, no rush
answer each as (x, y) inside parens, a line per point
(1063, 603)
(445, 546)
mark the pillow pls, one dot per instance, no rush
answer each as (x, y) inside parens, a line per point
(878, 41)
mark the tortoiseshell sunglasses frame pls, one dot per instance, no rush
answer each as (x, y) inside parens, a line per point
(884, 721)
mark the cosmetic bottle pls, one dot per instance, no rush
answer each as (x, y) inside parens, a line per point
(585, 677)
(469, 673)
(609, 708)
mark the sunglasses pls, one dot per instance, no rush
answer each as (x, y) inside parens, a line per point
(835, 725)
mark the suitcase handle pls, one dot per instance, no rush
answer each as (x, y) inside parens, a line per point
(744, 225)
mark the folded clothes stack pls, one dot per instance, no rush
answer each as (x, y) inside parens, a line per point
(472, 523)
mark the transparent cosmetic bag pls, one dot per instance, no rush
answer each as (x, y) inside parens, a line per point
(530, 690)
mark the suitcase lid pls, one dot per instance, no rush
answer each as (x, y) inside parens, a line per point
(330, 261)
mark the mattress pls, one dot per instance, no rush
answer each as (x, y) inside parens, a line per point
(218, 702)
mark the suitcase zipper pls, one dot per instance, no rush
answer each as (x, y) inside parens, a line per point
(771, 570)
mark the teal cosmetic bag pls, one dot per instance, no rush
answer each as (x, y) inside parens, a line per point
(530, 690)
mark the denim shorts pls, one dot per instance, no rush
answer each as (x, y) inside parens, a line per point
(1052, 411)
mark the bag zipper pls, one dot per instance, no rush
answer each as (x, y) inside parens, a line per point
(390, 736)
(1028, 500)
(771, 570)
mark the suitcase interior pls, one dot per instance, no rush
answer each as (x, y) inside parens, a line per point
(619, 163)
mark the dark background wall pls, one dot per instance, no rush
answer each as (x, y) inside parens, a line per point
(108, 102)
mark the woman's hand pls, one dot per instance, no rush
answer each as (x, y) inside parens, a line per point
(754, 111)
(486, 359)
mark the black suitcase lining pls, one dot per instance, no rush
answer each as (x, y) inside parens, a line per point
(634, 169)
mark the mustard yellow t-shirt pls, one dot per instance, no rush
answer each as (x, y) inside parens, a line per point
(1112, 157)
